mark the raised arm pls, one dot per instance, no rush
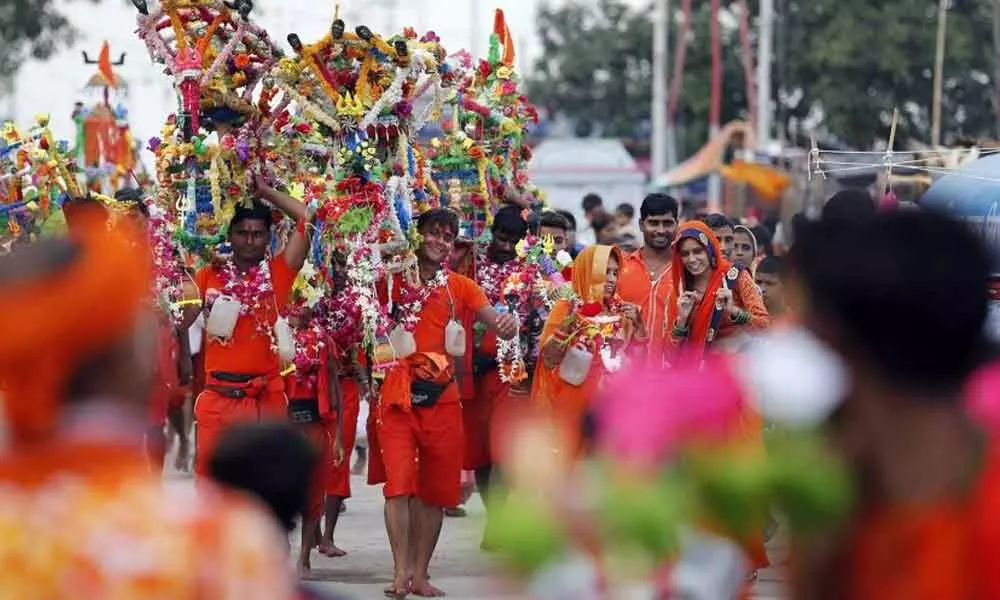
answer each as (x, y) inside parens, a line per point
(298, 244)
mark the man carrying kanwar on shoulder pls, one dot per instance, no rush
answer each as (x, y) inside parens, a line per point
(645, 277)
(243, 296)
(419, 410)
(82, 515)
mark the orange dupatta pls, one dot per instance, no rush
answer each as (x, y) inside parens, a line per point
(568, 403)
(702, 316)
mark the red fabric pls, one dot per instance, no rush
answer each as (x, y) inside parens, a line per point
(949, 551)
(338, 480)
(166, 381)
(376, 466)
(248, 351)
(320, 436)
(422, 452)
(214, 412)
(477, 416)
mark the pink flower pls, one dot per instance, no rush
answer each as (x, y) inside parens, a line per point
(647, 421)
(982, 395)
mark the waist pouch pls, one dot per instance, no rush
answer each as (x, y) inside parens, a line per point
(302, 411)
(424, 394)
(239, 385)
(483, 363)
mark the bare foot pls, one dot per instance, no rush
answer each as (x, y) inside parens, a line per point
(398, 589)
(305, 569)
(425, 590)
(328, 549)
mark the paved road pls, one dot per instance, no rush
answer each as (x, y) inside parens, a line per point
(458, 568)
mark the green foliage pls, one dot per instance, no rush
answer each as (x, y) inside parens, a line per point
(31, 29)
(849, 61)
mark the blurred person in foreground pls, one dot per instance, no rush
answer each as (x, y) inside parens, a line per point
(901, 300)
(81, 514)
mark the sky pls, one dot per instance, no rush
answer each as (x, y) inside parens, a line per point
(53, 86)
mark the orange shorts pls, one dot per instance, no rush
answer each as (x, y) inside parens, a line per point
(320, 435)
(477, 418)
(213, 413)
(376, 468)
(422, 452)
(338, 481)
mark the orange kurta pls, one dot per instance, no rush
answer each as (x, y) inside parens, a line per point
(248, 352)
(947, 551)
(635, 287)
(422, 447)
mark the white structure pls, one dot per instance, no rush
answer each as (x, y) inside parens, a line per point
(568, 169)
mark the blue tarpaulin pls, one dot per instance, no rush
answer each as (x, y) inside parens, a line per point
(973, 195)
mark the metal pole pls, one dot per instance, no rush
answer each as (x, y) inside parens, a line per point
(942, 28)
(658, 140)
(475, 25)
(764, 51)
(715, 107)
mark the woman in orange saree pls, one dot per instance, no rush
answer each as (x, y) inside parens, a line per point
(711, 299)
(583, 341)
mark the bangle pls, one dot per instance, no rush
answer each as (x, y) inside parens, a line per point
(742, 317)
(679, 331)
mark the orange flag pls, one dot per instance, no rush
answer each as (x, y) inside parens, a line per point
(104, 65)
(503, 34)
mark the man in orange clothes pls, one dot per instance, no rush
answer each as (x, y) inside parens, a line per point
(353, 383)
(901, 300)
(82, 515)
(419, 412)
(242, 378)
(492, 269)
(645, 276)
(173, 355)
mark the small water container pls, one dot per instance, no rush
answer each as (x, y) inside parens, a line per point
(455, 339)
(403, 342)
(222, 317)
(575, 365)
(285, 339)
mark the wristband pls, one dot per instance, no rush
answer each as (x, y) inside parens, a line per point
(301, 227)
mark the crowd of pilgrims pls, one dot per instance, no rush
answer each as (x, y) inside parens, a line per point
(899, 297)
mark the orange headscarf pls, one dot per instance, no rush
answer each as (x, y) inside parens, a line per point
(50, 322)
(590, 271)
(701, 316)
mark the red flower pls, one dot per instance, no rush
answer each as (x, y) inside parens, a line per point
(567, 273)
(590, 309)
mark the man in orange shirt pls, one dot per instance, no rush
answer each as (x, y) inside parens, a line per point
(242, 372)
(645, 276)
(419, 412)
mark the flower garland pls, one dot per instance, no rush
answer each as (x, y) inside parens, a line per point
(342, 311)
(595, 330)
(415, 295)
(364, 268)
(310, 341)
(167, 273)
(254, 291)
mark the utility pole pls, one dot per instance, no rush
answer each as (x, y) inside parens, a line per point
(764, 52)
(658, 140)
(715, 107)
(942, 28)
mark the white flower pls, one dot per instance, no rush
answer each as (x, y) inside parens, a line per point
(563, 258)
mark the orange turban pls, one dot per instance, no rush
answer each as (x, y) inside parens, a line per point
(51, 321)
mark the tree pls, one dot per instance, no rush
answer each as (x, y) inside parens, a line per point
(842, 65)
(30, 29)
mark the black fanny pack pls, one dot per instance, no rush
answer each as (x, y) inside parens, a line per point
(303, 411)
(483, 363)
(424, 394)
